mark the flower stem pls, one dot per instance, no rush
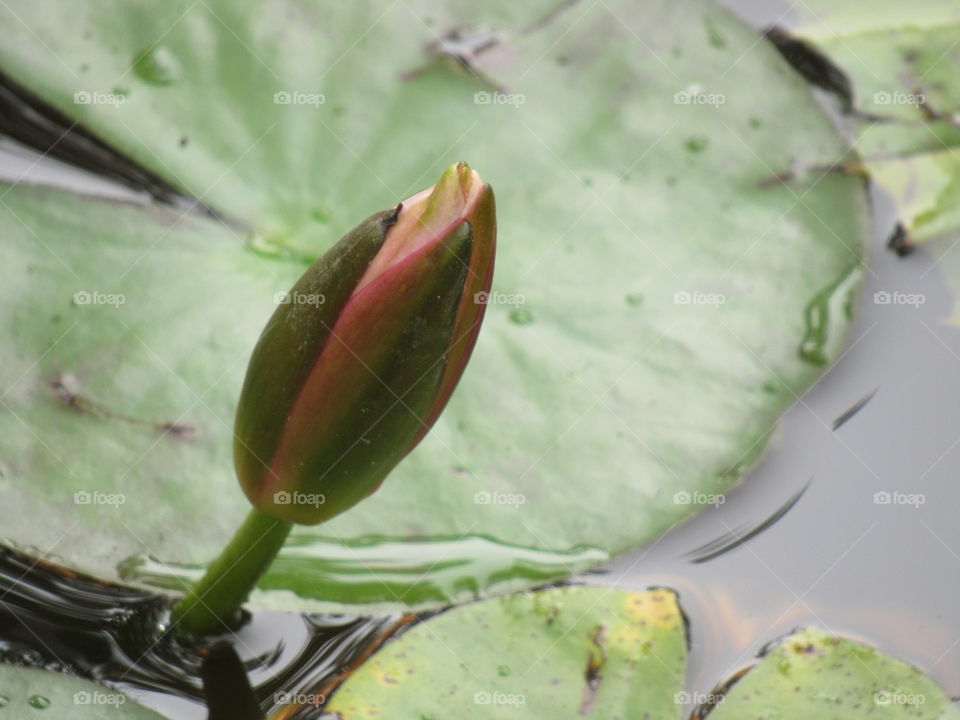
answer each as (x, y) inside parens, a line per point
(211, 605)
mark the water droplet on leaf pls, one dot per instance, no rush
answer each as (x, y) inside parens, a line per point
(713, 34)
(520, 316)
(157, 66)
(822, 312)
(39, 702)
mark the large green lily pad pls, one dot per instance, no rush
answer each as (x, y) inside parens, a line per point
(28, 692)
(658, 300)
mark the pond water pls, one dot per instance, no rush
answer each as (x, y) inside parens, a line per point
(870, 549)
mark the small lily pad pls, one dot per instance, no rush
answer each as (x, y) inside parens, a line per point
(561, 653)
(811, 674)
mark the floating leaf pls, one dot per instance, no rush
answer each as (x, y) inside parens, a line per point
(561, 653)
(633, 149)
(902, 63)
(811, 674)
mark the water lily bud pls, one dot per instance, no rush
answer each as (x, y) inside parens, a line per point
(362, 355)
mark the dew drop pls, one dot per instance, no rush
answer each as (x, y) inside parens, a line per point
(521, 316)
(634, 299)
(823, 314)
(157, 66)
(714, 35)
(697, 143)
(503, 670)
(39, 702)
(4, 701)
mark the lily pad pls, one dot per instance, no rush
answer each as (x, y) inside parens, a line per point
(585, 652)
(25, 692)
(561, 653)
(811, 674)
(658, 301)
(902, 62)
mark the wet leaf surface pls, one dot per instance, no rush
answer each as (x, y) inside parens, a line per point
(562, 653)
(812, 674)
(25, 692)
(902, 66)
(658, 302)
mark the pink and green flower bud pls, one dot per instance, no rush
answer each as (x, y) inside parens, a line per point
(351, 372)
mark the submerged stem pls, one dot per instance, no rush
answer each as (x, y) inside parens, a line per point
(211, 604)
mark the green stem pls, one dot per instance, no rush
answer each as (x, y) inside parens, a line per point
(211, 604)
